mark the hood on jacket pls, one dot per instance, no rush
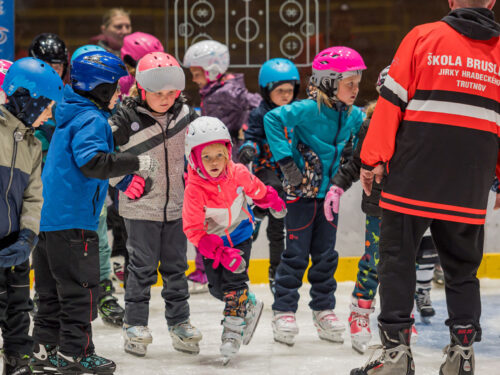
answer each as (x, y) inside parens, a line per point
(73, 105)
(236, 80)
(474, 23)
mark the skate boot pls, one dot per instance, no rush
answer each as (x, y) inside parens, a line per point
(197, 282)
(254, 309)
(84, 364)
(16, 364)
(232, 337)
(36, 301)
(438, 275)
(109, 309)
(118, 275)
(359, 323)
(185, 337)
(137, 339)
(44, 360)
(424, 305)
(459, 354)
(285, 327)
(329, 327)
(395, 359)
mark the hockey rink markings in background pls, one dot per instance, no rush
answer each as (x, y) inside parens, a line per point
(195, 20)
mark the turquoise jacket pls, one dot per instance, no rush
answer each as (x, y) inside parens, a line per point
(326, 131)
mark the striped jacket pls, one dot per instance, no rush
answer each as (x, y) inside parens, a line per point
(437, 122)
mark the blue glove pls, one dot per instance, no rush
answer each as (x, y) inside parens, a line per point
(19, 251)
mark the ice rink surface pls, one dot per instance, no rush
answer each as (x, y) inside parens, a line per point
(310, 355)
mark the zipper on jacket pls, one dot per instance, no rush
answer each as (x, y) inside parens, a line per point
(85, 251)
(230, 217)
(95, 198)
(12, 165)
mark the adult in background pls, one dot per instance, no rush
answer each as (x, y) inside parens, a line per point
(437, 127)
(115, 26)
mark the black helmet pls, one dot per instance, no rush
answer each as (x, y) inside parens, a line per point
(50, 48)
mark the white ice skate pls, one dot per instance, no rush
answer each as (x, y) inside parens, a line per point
(359, 323)
(137, 339)
(232, 337)
(285, 327)
(254, 311)
(424, 305)
(185, 337)
(195, 287)
(329, 327)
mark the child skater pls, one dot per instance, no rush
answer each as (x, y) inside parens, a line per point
(322, 125)
(218, 221)
(279, 83)
(154, 124)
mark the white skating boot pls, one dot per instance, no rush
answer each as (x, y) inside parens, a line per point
(232, 337)
(254, 310)
(285, 327)
(459, 353)
(359, 323)
(424, 304)
(185, 337)
(137, 339)
(329, 327)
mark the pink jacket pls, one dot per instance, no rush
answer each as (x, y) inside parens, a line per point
(221, 207)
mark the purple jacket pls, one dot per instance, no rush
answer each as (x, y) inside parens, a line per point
(229, 100)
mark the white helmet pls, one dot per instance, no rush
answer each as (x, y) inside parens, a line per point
(212, 56)
(203, 130)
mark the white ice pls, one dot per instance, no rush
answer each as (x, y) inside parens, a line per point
(309, 355)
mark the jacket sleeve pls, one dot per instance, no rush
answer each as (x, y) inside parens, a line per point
(498, 167)
(255, 132)
(120, 126)
(391, 105)
(107, 165)
(251, 99)
(32, 196)
(252, 186)
(193, 215)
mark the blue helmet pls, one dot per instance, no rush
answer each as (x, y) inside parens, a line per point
(277, 70)
(87, 48)
(35, 76)
(91, 69)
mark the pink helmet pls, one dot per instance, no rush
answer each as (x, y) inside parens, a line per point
(159, 71)
(334, 64)
(138, 44)
(4, 66)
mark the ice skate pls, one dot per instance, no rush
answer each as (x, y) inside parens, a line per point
(232, 337)
(44, 360)
(459, 354)
(16, 364)
(36, 302)
(329, 327)
(395, 359)
(88, 364)
(424, 305)
(284, 327)
(359, 323)
(438, 275)
(110, 311)
(185, 337)
(197, 282)
(118, 274)
(254, 309)
(137, 339)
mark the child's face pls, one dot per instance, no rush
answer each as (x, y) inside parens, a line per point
(214, 159)
(199, 76)
(283, 94)
(114, 99)
(161, 101)
(44, 116)
(348, 89)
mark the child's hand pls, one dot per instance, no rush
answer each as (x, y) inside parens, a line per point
(19, 251)
(148, 164)
(292, 173)
(367, 177)
(132, 186)
(246, 154)
(271, 200)
(332, 202)
(230, 259)
(209, 244)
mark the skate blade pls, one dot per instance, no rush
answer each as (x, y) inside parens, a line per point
(250, 329)
(226, 360)
(285, 339)
(188, 347)
(426, 319)
(112, 323)
(335, 337)
(359, 347)
(46, 371)
(135, 349)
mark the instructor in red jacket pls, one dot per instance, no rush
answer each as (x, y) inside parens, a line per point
(437, 128)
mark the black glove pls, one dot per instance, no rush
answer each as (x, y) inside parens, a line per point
(19, 251)
(291, 172)
(246, 154)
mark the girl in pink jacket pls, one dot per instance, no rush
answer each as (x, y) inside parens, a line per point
(217, 219)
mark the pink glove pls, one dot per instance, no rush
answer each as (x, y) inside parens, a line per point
(271, 200)
(209, 244)
(230, 259)
(136, 187)
(332, 201)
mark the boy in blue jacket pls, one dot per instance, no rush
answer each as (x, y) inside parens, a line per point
(66, 261)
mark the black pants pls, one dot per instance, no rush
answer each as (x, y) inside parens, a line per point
(275, 227)
(460, 249)
(66, 267)
(15, 304)
(221, 280)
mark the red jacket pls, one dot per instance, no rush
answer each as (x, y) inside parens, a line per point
(437, 123)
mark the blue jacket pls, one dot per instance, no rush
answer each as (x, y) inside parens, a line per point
(325, 131)
(72, 200)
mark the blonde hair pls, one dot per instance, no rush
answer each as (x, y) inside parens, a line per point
(370, 108)
(113, 12)
(216, 147)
